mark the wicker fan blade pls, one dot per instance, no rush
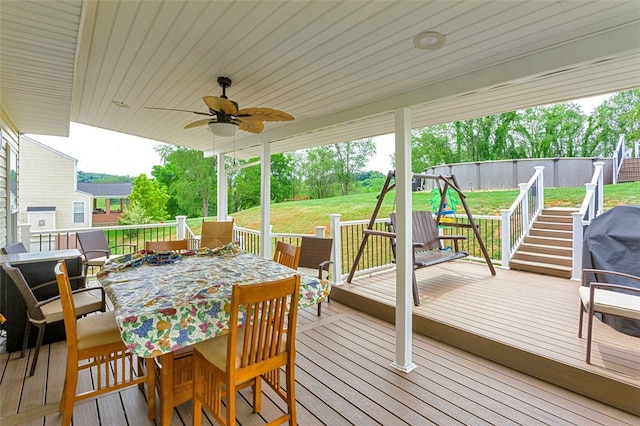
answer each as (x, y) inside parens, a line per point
(248, 124)
(180, 110)
(197, 123)
(221, 104)
(265, 114)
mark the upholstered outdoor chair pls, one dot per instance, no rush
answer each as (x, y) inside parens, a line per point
(249, 354)
(315, 258)
(606, 298)
(41, 313)
(14, 248)
(96, 250)
(94, 343)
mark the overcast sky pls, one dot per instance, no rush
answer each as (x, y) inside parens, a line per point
(103, 151)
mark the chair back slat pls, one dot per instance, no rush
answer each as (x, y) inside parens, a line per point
(423, 230)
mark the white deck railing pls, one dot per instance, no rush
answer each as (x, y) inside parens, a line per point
(592, 206)
(517, 219)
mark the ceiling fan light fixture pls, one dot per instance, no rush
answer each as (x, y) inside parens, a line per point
(429, 40)
(224, 130)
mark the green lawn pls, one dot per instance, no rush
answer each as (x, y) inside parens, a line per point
(303, 216)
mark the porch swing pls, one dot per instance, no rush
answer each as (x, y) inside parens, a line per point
(427, 241)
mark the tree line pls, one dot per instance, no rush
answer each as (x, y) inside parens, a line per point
(186, 182)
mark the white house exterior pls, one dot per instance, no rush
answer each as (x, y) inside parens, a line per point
(49, 197)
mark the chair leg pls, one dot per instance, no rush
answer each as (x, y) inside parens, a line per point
(319, 308)
(25, 341)
(231, 406)
(291, 393)
(580, 322)
(37, 348)
(416, 295)
(589, 332)
(68, 397)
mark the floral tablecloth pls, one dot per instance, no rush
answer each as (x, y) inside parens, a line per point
(164, 302)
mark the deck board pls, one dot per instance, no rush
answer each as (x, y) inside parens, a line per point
(344, 374)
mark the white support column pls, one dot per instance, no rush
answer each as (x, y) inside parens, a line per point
(336, 254)
(25, 235)
(223, 203)
(404, 267)
(265, 201)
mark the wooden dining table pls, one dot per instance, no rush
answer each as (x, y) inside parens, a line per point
(166, 302)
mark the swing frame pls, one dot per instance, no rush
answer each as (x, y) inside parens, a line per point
(443, 183)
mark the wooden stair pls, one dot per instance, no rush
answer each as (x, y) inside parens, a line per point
(630, 171)
(548, 249)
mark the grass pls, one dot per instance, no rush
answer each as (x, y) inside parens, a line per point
(304, 216)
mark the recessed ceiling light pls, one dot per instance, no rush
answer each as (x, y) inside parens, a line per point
(429, 40)
(120, 104)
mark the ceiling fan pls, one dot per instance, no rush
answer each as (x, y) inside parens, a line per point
(224, 115)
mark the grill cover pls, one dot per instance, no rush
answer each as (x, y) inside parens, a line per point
(612, 242)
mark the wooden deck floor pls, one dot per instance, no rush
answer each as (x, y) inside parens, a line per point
(344, 375)
(525, 321)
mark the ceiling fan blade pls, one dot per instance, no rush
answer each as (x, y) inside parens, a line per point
(197, 123)
(221, 104)
(248, 124)
(265, 114)
(180, 110)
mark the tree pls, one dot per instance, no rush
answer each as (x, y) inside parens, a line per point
(190, 179)
(318, 171)
(150, 196)
(618, 115)
(350, 159)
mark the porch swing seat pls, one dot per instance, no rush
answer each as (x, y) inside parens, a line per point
(428, 248)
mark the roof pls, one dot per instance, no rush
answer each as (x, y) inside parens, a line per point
(106, 190)
(340, 68)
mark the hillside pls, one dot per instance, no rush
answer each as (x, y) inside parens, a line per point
(303, 216)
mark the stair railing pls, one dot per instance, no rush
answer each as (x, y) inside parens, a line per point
(618, 158)
(592, 206)
(517, 219)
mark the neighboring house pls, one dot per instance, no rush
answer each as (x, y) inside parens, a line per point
(109, 200)
(47, 187)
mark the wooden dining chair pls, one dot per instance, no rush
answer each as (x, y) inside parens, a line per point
(42, 313)
(169, 245)
(94, 344)
(249, 354)
(216, 233)
(287, 254)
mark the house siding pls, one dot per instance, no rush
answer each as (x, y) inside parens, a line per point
(55, 188)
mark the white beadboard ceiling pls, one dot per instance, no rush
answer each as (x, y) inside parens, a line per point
(339, 67)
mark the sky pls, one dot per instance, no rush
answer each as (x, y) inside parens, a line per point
(103, 151)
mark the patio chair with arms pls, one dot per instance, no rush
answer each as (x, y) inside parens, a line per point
(315, 258)
(41, 313)
(215, 234)
(610, 299)
(94, 342)
(96, 250)
(14, 248)
(247, 355)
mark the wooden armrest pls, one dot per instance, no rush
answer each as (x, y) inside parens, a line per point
(379, 233)
(452, 237)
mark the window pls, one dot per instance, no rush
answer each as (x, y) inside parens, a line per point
(78, 212)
